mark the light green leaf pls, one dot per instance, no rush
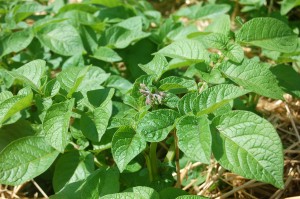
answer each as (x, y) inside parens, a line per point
(25, 159)
(61, 38)
(72, 167)
(156, 66)
(248, 145)
(220, 25)
(176, 84)
(211, 11)
(100, 183)
(253, 76)
(194, 138)
(13, 105)
(268, 33)
(51, 88)
(108, 3)
(132, 23)
(15, 41)
(144, 192)
(4, 95)
(120, 83)
(126, 195)
(126, 145)
(287, 5)
(31, 73)
(71, 78)
(185, 49)
(56, 124)
(156, 125)
(217, 96)
(106, 54)
(186, 103)
(77, 17)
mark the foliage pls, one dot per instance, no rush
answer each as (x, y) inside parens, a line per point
(94, 89)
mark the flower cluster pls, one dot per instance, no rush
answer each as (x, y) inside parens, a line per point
(152, 98)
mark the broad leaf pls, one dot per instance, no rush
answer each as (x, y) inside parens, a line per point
(72, 167)
(15, 41)
(12, 105)
(71, 78)
(144, 192)
(194, 138)
(215, 97)
(51, 88)
(126, 144)
(56, 124)
(253, 76)
(126, 195)
(156, 125)
(177, 84)
(287, 5)
(220, 25)
(100, 183)
(269, 33)
(31, 73)
(186, 103)
(191, 197)
(185, 49)
(25, 159)
(61, 38)
(211, 11)
(249, 146)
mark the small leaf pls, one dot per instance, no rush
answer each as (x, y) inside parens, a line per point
(71, 78)
(56, 124)
(185, 49)
(25, 159)
(156, 66)
(72, 167)
(194, 138)
(52, 88)
(177, 85)
(61, 38)
(253, 76)
(126, 144)
(31, 73)
(144, 192)
(106, 54)
(13, 105)
(268, 33)
(215, 97)
(248, 145)
(156, 125)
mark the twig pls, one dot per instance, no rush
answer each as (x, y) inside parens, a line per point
(236, 189)
(39, 188)
(292, 121)
(178, 183)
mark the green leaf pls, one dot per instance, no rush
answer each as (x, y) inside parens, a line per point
(11, 132)
(72, 167)
(94, 125)
(287, 5)
(215, 97)
(25, 159)
(171, 193)
(13, 105)
(185, 49)
(156, 66)
(268, 33)
(144, 192)
(186, 103)
(156, 125)
(211, 11)
(106, 54)
(71, 78)
(126, 195)
(253, 76)
(176, 84)
(289, 79)
(120, 83)
(51, 88)
(100, 183)
(220, 25)
(31, 73)
(248, 145)
(126, 145)
(56, 124)
(15, 41)
(194, 138)
(61, 38)
(191, 197)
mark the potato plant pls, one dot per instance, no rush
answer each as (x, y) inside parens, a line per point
(107, 98)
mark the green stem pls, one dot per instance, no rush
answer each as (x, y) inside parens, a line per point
(171, 153)
(153, 160)
(148, 163)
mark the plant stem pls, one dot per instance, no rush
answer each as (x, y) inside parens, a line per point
(148, 163)
(178, 183)
(153, 160)
(171, 153)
